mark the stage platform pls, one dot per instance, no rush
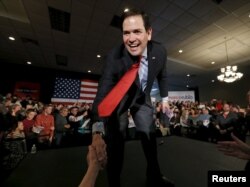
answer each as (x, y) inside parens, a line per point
(183, 160)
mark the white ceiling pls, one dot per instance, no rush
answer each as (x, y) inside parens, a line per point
(201, 28)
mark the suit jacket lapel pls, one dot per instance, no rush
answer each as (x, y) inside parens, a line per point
(151, 63)
(127, 60)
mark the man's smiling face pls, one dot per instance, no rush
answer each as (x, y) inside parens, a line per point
(135, 36)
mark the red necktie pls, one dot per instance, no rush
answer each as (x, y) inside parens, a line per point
(110, 102)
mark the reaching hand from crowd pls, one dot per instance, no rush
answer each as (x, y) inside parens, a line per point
(100, 148)
(92, 159)
(94, 166)
(236, 148)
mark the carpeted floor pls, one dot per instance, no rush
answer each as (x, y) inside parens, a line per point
(183, 160)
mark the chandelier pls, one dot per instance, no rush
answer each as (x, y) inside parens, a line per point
(229, 73)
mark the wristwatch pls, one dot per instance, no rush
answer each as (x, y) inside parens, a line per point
(98, 132)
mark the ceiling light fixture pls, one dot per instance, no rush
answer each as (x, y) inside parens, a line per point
(188, 75)
(213, 62)
(180, 51)
(28, 62)
(98, 56)
(229, 73)
(89, 71)
(11, 38)
(126, 9)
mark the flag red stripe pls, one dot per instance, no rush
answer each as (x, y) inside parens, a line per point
(88, 92)
(88, 86)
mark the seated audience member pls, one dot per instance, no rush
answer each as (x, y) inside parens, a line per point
(158, 108)
(85, 127)
(93, 169)
(184, 118)
(185, 122)
(77, 118)
(175, 126)
(13, 148)
(61, 125)
(240, 127)
(193, 117)
(225, 123)
(11, 116)
(28, 123)
(16, 130)
(203, 123)
(57, 109)
(213, 132)
(74, 119)
(236, 148)
(4, 106)
(204, 117)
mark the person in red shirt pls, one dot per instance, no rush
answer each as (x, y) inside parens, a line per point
(28, 124)
(45, 121)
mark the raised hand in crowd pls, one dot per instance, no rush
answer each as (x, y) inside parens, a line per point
(236, 148)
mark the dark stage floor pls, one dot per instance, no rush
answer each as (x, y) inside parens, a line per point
(183, 160)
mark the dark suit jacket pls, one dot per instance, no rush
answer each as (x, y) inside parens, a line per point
(119, 61)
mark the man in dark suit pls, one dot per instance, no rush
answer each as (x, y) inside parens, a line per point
(137, 43)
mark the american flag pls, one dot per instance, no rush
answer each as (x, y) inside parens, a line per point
(70, 91)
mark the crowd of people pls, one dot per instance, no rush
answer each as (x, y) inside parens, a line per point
(29, 122)
(213, 121)
(26, 122)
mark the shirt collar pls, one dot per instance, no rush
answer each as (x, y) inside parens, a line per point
(145, 53)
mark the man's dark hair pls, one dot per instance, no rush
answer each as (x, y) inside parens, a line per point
(136, 12)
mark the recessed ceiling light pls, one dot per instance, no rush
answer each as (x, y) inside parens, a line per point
(180, 51)
(126, 10)
(212, 81)
(188, 75)
(28, 62)
(213, 62)
(11, 38)
(98, 56)
(187, 86)
(89, 71)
